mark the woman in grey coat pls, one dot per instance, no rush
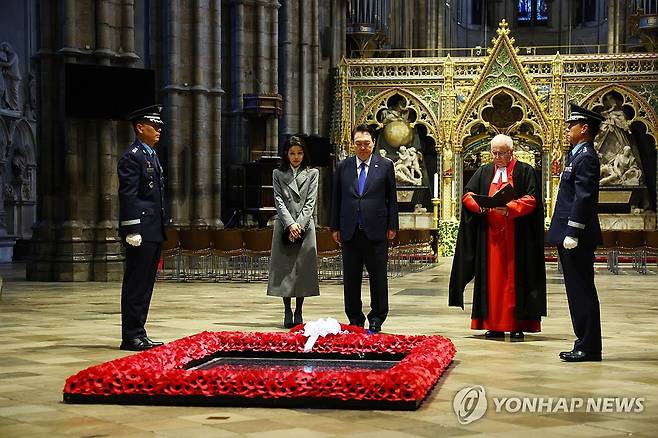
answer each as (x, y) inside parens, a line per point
(293, 263)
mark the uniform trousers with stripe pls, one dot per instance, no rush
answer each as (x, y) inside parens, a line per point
(137, 288)
(578, 270)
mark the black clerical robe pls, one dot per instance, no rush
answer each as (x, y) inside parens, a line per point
(470, 260)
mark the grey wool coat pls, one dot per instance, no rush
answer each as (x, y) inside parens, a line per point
(293, 268)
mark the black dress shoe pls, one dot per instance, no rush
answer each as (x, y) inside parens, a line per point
(287, 319)
(580, 356)
(375, 328)
(152, 342)
(490, 334)
(137, 344)
(518, 336)
(297, 319)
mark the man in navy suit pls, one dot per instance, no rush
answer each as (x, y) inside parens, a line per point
(364, 217)
(141, 225)
(576, 231)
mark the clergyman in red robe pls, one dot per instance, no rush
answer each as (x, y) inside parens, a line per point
(502, 248)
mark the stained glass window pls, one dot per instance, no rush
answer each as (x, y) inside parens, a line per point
(532, 11)
(542, 10)
(525, 10)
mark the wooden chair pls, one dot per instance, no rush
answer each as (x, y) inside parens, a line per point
(228, 261)
(171, 256)
(196, 254)
(257, 251)
(330, 264)
(394, 267)
(405, 249)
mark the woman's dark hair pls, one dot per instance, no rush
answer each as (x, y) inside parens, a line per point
(294, 140)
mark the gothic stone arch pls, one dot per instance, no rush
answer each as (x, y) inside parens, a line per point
(425, 116)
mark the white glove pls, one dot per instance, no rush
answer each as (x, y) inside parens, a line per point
(134, 239)
(570, 242)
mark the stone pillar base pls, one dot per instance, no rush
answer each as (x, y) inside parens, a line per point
(74, 261)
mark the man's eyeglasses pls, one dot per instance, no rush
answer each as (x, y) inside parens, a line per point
(499, 154)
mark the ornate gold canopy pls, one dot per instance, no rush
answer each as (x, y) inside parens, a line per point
(462, 102)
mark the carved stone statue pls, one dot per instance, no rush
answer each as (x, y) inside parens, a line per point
(447, 162)
(615, 148)
(415, 158)
(418, 208)
(397, 129)
(396, 112)
(19, 163)
(621, 170)
(407, 166)
(10, 84)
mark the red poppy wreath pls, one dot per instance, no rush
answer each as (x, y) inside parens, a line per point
(351, 369)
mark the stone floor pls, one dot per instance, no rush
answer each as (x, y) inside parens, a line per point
(49, 331)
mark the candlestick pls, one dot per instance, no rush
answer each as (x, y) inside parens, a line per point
(435, 212)
(436, 185)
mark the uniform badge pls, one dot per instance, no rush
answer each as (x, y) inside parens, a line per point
(151, 184)
(134, 150)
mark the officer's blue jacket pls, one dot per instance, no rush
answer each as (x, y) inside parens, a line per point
(141, 194)
(576, 207)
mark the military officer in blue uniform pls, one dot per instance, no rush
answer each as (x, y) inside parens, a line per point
(576, 231)
(141, 225)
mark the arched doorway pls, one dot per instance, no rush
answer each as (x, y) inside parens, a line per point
(502, 112)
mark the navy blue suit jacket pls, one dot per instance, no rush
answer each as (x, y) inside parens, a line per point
(378, 202)
(576, 207)
(141, 194)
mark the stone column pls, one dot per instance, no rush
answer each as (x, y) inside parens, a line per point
(108, 261)
(103, 32)
(40, 249)
(273, 79)
(338, 30)
(616, 25)
(238, 151)
(127, 48)
(315, 67)
(76, 234)
(107, 258)
(290, 85)
(215, 107)
(174, 93)
(304, 102)
(200, 140)
(440, 22)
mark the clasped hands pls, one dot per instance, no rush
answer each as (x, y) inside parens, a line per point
(500, 210)
(295, 231)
